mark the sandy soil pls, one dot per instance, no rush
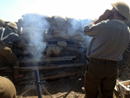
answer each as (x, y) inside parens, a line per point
(56, 88)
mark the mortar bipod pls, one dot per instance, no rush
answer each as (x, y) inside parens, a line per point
(39, 85)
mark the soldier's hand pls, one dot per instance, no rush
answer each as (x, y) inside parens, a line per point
(105, 15)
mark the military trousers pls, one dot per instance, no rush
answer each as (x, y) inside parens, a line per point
(100, 74)
(6, 53)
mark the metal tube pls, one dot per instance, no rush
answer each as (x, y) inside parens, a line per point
(38, 84)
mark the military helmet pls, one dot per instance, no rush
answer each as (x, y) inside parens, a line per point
(122, 8)
(2, 22)
(12, 24)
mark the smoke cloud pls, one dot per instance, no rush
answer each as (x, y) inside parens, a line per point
(34, 26)
(77, 28)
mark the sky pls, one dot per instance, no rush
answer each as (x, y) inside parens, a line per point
(12, 10)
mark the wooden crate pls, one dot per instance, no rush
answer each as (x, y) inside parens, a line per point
(123, 87)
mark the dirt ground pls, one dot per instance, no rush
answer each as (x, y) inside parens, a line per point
(56, 88)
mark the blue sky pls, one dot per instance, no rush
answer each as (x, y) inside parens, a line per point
(12, 10)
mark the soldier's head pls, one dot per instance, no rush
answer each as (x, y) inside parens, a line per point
(122, 10)
(13, 26)
(2, 23)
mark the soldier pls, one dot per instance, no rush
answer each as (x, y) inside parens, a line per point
(110, 37)
(9, 36)
(7, 88)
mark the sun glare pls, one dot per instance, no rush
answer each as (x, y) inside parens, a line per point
(80, 9)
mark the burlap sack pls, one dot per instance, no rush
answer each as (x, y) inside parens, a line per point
(7, 88)
(48, 36)
(59, 22)
(62, 44)
(61, 35)
(78, 38)
(57, 31)
(57, 51)
(53, 50)
(73, 49)
(49, 51)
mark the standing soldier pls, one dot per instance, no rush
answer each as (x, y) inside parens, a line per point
(110, 37)
(9, 36)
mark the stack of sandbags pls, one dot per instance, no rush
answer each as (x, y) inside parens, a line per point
(53, 50)
(60, 29)
(58, 23)
(56, 49)
(60, 47)
(65, 28)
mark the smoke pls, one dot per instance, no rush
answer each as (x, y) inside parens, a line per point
(71, 28)
(86, 38)
(77, 28)
(35, 25)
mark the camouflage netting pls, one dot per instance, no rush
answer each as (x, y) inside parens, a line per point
(65, 34)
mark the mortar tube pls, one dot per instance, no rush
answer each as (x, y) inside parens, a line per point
(38, 83)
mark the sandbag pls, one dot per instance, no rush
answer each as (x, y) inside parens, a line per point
(7, 88)
(57, 31)
(48, 36)
(53, 50)
(78, 38)
(62, 44)
(49, 51)
(59, 22)
(73, 49)
(61, 35)
(57, 51)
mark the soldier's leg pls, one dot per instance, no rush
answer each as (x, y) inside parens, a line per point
(108, 84)
(11, 57)
(91, 83)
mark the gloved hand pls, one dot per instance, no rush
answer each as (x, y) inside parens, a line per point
(105, 15)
